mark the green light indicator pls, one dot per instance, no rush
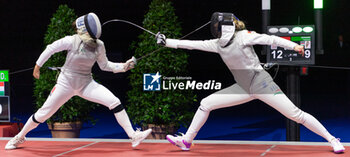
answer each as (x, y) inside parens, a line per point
(4, 76)
(297, 29)
(308, 29)
(318, 4)
(300, 38)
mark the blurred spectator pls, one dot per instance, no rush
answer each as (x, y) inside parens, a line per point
(342, 46)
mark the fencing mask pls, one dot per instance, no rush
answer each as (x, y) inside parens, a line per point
(89, 23)
(223, 27)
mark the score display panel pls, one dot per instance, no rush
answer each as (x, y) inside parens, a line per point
(300, 34)
(4, 96)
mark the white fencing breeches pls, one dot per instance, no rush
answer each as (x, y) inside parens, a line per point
(235, 95)
(68, 86)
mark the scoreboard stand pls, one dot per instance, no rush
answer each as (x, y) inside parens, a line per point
(293, 93)
(302, 35)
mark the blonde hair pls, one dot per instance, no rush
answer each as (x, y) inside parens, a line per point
(87, 40)
(239, 25)
(84, 36)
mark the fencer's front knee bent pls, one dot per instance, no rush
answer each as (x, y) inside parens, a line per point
(117, 106)
(34, 119)
(205, 105)
(117, 109)
(113, 105)
(42, 115)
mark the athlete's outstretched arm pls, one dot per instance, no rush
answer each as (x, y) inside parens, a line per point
(204, 45)
(252, 38)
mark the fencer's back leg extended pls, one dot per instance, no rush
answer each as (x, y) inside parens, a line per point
(58, 96)
(281, 103)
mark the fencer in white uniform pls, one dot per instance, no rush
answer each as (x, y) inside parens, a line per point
(235, 46)
(75, 79)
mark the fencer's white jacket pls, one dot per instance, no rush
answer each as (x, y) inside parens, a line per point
(80, 58)
(239, 56)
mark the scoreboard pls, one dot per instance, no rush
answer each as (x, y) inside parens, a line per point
(301, 34)
(4, 96)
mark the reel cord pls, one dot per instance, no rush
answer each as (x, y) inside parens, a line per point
(266, 66)
(150, 32)
(19, 71)
(128, 22)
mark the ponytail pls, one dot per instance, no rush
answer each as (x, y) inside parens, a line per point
(239, 25)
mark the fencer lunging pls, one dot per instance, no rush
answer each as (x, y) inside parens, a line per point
(75, 79)
(235, 46)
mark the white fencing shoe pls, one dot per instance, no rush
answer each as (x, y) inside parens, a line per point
(139, 136)
(337, 146)
(14, 142)
(179, 141)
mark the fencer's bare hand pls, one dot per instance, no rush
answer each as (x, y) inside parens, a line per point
(161, 39)
(299, 49)
(36, 72)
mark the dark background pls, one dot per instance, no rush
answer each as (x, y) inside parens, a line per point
(325, 92)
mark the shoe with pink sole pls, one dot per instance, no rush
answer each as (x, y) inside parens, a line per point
(179, 141)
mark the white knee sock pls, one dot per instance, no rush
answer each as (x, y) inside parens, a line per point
(124, 122)
(30, 125)
(198, 121)
(314, 125)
